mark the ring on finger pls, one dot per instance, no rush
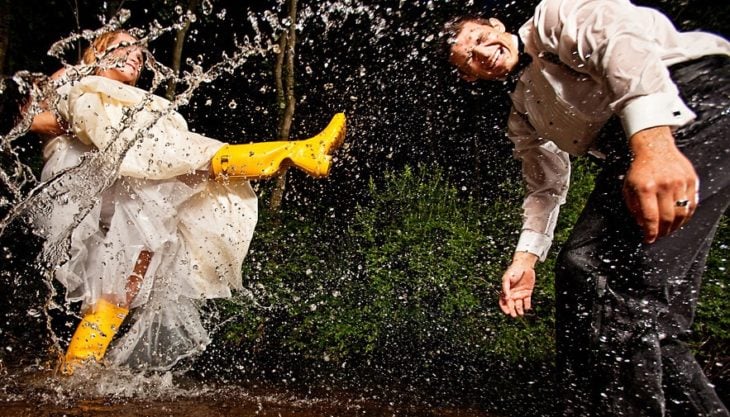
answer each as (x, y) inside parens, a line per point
(682, 203)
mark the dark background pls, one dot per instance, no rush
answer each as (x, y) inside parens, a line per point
(384, 68)
(382, 63)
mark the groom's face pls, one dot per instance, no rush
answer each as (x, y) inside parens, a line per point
(484, 51)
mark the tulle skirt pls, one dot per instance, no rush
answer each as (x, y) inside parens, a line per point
(198, 231)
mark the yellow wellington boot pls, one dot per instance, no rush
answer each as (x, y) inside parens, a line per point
(94, 334)
(267, 159)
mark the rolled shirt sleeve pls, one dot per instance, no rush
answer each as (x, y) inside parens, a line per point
(546, 173)
(654, 110)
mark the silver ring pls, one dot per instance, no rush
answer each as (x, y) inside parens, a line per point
(682, 203)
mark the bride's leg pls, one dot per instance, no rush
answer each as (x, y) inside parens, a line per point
(102, 321)
(134, 282)
(267, 159)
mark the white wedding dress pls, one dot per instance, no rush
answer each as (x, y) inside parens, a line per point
(160, 199)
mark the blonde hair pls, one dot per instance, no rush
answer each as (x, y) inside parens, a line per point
(99, 45)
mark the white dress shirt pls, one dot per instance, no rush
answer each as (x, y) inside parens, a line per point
(590, 59)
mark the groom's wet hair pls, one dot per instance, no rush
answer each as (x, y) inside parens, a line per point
(452, 28)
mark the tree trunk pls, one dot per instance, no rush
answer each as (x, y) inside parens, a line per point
(285, 95)
(177, 51)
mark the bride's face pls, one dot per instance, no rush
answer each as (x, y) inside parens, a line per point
(124, 60)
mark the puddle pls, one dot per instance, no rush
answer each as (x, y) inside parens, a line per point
(38, 391)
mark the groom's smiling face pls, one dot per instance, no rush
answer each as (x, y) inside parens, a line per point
(483, 51)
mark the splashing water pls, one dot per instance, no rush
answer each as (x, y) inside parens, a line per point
(96, 173)
(78, 188)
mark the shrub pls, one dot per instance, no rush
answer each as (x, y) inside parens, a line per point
(412, 281)
(711, 336)
(406, 289)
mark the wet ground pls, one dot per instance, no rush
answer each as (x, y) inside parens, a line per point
(38, 392)
(222, 408)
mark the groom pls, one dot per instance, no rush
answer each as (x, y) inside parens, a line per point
(628, 279)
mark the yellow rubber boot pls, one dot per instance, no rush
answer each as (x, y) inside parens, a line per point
(93, 335)
(267, 159)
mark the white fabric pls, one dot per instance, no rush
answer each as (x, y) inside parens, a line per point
(591, 59)
(162, 201)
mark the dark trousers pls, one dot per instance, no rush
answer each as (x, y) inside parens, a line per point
(624, 307)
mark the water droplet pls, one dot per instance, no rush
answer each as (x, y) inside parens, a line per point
(207, 7)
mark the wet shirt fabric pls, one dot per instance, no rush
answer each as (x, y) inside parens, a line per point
(591, 59)
(160, 200)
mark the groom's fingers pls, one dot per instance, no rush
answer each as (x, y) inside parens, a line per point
(519, 310)
(508, 306)
(503, 305)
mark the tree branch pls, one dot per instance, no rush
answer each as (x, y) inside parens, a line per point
(285, 95)
(177, 51)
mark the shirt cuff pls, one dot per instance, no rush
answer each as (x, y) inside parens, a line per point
(535, 243)
(661, 109)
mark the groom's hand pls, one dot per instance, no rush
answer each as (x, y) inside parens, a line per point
(661, 186)
(518, 282)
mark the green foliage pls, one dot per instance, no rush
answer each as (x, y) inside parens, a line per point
(712, 316)
(432, 264)
(409, 283)
(712, 322)
(415, 276)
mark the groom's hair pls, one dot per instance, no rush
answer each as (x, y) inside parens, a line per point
(452, 28)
